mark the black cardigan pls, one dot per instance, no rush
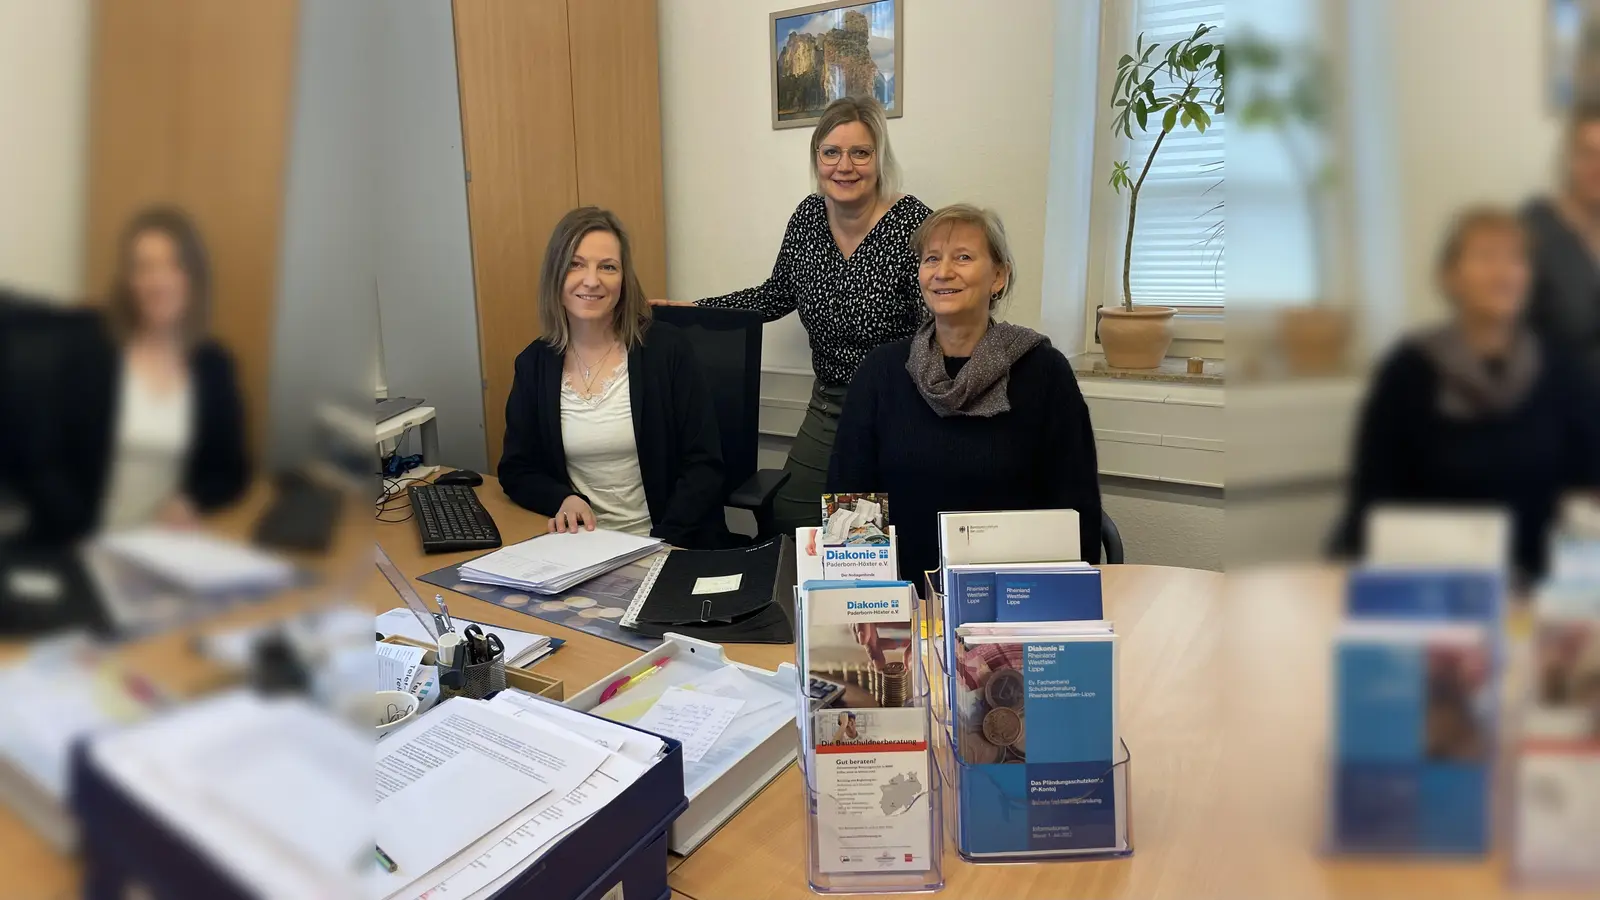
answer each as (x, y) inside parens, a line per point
(674, 427)
(1407, 451)
(66, 438)
(1038, 455)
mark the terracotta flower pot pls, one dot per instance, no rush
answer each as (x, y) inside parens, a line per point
(1137, 338)
(1314, 339)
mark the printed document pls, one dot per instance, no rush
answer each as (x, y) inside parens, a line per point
(461, 771)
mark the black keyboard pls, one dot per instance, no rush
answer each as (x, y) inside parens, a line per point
(450, 518)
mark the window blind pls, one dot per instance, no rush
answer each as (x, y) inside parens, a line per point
(1178, 240)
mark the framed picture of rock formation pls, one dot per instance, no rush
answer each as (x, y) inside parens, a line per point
(831, 50)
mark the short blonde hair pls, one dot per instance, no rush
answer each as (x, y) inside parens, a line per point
(1476, 220)
(631, 317)
(986, 221)
(868, 112)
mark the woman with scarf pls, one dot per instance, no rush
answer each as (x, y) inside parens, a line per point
(1478, 411)
(970, 413)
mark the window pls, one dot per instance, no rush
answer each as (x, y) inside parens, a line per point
(1179, 234)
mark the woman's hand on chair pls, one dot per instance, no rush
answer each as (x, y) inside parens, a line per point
(672, 303)
(574, 515)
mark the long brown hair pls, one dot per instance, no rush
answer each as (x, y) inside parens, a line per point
(123, 306)
(631, 317)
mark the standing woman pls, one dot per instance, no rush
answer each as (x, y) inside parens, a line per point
(846, 265)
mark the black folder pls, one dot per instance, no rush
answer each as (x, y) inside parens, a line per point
(759, 611)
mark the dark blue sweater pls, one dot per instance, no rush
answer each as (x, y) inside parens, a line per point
(1407, 451)
(1038, 455)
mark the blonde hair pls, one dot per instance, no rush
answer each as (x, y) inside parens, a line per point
(631, 317)
(986, 221)
(869, 113)
(1476, 220)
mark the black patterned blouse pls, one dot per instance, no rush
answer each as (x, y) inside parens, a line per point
(848, 306)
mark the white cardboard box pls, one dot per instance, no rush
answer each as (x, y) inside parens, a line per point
(721, 798)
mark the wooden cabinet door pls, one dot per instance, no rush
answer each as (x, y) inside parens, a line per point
(515, 74)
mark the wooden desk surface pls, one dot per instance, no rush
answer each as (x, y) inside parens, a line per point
(1224, 706)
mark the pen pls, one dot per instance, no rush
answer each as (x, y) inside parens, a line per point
(449, 619)
(622, 684)
(389, 865)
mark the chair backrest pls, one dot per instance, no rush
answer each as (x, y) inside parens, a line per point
(727, 344)
(1110, 540)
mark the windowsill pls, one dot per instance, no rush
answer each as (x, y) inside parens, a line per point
(1173, 370)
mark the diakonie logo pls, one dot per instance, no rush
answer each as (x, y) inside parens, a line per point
(890, 605)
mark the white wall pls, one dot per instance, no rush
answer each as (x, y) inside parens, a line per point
(976, 128)
(1462, 132)
(44, 81)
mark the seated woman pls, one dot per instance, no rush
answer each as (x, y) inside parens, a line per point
(1478, 411)
(139, 419)
(970, 413)
(609, 423)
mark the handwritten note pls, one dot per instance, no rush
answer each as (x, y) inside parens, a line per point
(720, 584)
(693, 718)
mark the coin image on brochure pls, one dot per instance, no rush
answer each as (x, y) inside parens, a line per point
(977, 751)
(1002, 726)
(1003, 687)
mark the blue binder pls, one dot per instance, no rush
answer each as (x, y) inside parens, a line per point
(125, 848)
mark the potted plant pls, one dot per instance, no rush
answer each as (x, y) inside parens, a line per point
(1190, 73)
(1286, 92)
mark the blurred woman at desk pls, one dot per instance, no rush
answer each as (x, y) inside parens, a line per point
(609, 423)
(970, 413)
(1478, 411)
(846, 267)
(148, 426)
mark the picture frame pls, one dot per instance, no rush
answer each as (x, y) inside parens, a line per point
(1572, 52)
(867, 34)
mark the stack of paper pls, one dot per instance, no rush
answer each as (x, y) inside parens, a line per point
(274, 792)
(537, 770)
(59, 693)
(552, 563)
(522, 647)
(199, 563)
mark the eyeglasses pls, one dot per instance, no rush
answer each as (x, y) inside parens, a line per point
(858, 155)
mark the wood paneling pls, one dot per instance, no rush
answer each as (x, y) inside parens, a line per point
(191, 104)
(616, 111)
(233, 144)
(138, 52)
(516, 121)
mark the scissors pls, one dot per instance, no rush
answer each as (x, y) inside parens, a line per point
(484, 648)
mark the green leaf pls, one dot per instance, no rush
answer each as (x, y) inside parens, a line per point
(1186, 118)
(1123, 62)
(1201, 120)
(1201, 53)
(1147, 51)
(1143, 112)
(1171, 118)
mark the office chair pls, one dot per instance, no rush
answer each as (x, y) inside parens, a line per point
(1110, 539)
(727, 344)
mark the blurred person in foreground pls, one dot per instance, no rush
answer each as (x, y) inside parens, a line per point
(1479, 411)
(137, 418)
(1564, 307)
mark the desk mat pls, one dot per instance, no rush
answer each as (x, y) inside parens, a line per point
(592, 607)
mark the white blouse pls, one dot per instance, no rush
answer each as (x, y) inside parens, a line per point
(602, 456)
(149, 448)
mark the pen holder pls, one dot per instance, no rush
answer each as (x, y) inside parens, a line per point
(478, 681)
